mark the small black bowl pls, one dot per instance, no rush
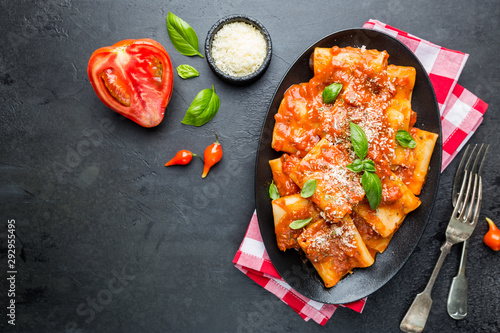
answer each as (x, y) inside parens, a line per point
(237, 80)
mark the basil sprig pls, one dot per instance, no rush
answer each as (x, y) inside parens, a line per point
(183, 37)
(370, 181)
(369, 165)
(273, 191)
(297, 224)
(331, 92)
(203, 108)
(187, 71)
(373, 188)
(358, 140)
(359, 165)
(405, 139)
(309, 188)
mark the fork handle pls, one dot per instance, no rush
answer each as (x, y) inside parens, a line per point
(445, 249)
(457, 296)
(463, 257)
(416, 317)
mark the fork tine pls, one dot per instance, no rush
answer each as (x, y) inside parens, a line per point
(461, 194)
(480, 171)
(466, 202)
(470, 208)
(463, 200)
(467, 166)
(480, 187)
(459, 176)
(478, 203)
(477, 157)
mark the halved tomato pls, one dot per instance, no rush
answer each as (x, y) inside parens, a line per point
(134, 77)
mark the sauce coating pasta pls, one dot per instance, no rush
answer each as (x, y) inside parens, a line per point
(344, 232)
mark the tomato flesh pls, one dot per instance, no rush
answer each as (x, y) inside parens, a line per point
(134, 78)
(115, 86)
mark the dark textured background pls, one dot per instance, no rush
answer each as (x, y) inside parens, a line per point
(92, 199)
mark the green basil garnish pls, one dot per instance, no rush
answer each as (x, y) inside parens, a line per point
(187, 71)
(297, 224)
(358, 140)
(183, 37)
(369, 165)
(273, 191)
(373, 188)
(355, 166)
(203, 108)
(331, 92)
(309, 188)
(370, 181)
(405, 139)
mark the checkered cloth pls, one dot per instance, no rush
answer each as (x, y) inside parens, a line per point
(461, 111)
(253, 260)
(461, 114)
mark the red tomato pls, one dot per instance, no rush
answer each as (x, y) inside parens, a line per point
(134, 77)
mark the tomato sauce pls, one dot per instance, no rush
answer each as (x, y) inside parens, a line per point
(304, 120)
(325, 242)
(338, 188)
(286, 237)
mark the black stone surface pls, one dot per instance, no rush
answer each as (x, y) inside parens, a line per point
(109, 240)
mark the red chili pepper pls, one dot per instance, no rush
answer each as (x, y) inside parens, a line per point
(492, 237)
(183, 157)
(212, 155)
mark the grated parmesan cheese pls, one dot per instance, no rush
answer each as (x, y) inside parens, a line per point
(238, 49)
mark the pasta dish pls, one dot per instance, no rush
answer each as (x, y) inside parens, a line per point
(352, 164)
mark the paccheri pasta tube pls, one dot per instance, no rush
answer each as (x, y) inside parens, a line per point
(342, 231)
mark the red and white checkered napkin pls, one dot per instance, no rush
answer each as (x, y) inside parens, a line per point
(253, 260)
(461, 111)
(461, 114)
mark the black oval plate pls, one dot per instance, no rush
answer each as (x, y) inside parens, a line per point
(292, 265)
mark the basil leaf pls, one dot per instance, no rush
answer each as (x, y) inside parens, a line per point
(203, 108)
(369, 165)
(187, 71)
(183, 37)
(355, 166)
(273, 191)
(373, 188)
(297, 224)
(358, 140)
(309, 188)
(331, 92)
(405, 139)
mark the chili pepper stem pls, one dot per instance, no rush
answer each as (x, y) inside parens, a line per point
(196, 155)
(216, 138)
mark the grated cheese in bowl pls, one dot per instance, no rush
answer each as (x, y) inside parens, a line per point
(238, 49)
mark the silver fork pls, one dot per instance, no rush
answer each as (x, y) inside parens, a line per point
(457, 297)
(462, 223)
